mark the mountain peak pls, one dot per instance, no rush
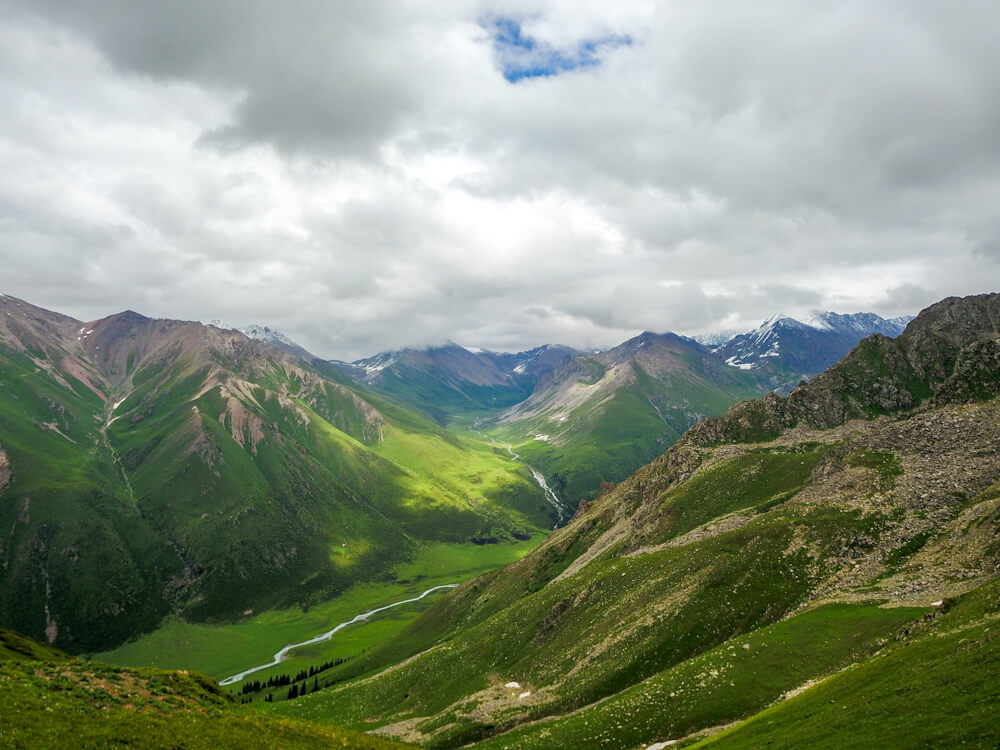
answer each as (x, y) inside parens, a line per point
(267, 335)
(796, 348)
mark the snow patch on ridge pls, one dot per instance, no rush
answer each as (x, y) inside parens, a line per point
(742, 365)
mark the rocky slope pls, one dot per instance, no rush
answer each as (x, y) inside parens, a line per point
(945, 355)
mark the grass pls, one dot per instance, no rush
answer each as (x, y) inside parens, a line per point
(763, 480)
(73, 704)
(736, 679)
(935, 687)
(736, 584)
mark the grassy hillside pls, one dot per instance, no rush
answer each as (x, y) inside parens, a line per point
(52, 701)
(934, 685)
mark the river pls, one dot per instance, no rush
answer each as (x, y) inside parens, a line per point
(280, 655)
(550, 495)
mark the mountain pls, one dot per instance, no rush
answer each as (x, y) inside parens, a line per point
(600, 416)
(151, 467)
(452, 380)
(784, 350)
(270, 336)
(821, 571)
(532, 365)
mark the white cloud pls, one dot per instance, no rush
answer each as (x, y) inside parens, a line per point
(363, 177)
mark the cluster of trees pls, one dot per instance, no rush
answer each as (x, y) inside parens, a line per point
(269, 698)
(255, 686)
(295, 691)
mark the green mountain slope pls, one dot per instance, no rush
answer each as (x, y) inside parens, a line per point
(151, 466)
(52, 701)
(933, 686)
(602, 416)
(793, 556)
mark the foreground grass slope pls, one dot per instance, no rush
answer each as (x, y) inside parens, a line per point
(933, 686)
(824, 538)
(150, 467)
(51, 700)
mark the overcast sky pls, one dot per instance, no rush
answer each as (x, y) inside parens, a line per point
(370, 175)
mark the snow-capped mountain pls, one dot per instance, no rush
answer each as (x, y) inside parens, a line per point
(267, 335)
(533, 363)
(782, 344)
(716, 339)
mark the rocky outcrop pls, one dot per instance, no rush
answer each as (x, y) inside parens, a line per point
(6, 471)
(949, 353)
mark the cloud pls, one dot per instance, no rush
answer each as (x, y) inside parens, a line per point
(366, 175)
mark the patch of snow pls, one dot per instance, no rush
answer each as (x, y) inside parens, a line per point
(118, 403)
(820, 320)
(473, 349)
(661, 745)
(717, 339)
(520, 369)
(937, 603)
(742, 365)
(513, 685)
(543, 438)
(524, 695)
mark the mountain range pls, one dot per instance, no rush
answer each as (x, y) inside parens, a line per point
(583, 419)
(783, 349)
(816, 569)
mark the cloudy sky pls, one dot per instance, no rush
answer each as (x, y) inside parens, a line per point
(369, 175)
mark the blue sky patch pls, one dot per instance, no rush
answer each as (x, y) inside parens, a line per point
(521, 56)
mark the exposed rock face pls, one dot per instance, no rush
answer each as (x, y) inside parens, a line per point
(6, 472)
(950, 352)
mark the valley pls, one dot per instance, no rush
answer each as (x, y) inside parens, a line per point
(617, 549)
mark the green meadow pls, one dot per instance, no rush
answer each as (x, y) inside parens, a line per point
(223, 650)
